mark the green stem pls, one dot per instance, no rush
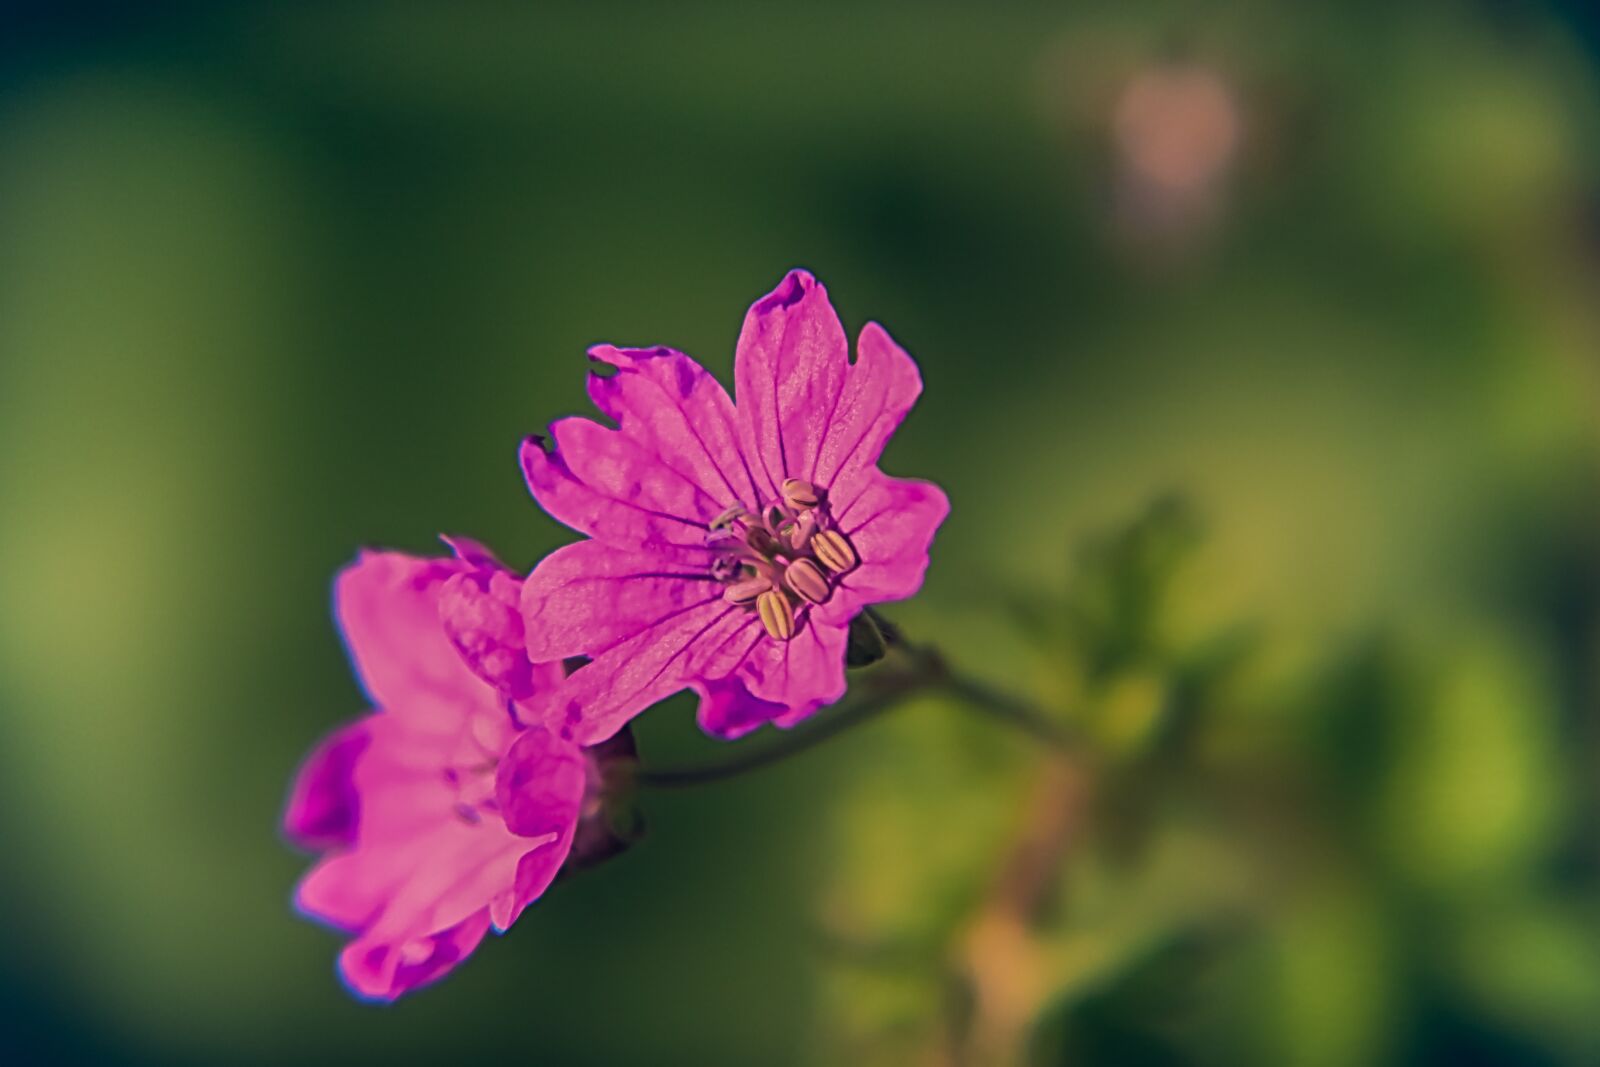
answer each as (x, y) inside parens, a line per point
(1011, 710)
(843, 718)
(1004, 707)
(922, 670)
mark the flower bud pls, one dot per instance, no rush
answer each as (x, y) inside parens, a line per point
(609, 820)
(865, 644)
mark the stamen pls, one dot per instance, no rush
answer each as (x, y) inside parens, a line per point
(780, 557)
(833, 550)
(745, 592)
(800, 494)
(798, 533)
(807, 581)
(762, 542)
(776, 614)
(725, 520)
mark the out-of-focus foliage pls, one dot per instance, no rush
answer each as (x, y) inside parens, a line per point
(1260, 349)
(1157, 896)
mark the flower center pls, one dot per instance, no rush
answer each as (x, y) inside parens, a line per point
(779, 559)
(473, 791)
(469, 774)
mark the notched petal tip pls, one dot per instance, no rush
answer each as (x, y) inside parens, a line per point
(793, 289)
(622, 358)
(471, 551)
(533, 456)
(605, 361)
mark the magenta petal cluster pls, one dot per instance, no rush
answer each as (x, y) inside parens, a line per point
(438, 814)
(730, 541)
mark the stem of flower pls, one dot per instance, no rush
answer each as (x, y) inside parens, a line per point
(885, 695)
(1008, 709)
(922, 669)
(1002, 706)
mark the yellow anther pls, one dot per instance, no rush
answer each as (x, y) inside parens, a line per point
(800, 494)
(776, 614)
(807, 581)
(833, 550)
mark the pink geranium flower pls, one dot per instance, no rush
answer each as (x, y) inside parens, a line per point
(440, 814)
(730, 544)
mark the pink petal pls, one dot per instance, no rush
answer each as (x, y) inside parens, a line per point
(433, 861)
(480, 612)
(703, 639)
(879, 391)
(383, 970)
(891, 523)
(674, 408)
(386, 604)
(789, 370)
(323, 802)
(626, 468)
(612, 490)
(419, 863)
(638, 599)
(586, 597)
(473, 553)
(801, 674)
(540, 788)
(728, 711)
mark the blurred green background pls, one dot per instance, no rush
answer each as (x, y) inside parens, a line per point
(1262, 350)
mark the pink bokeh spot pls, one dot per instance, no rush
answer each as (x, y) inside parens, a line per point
(650, 597)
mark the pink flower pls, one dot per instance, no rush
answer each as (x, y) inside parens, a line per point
(439, 814)
(729, 544)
